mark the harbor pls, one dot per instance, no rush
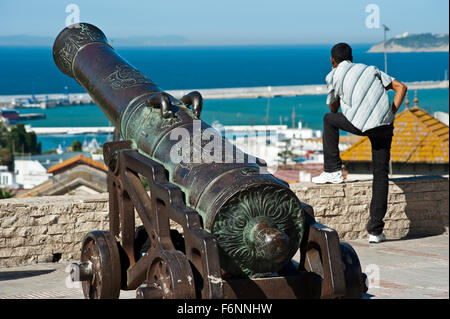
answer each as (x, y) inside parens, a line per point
(62, 125)
(14, 116)
(44, 101)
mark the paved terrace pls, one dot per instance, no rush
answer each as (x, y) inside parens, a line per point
(415, 268)
(413, 263)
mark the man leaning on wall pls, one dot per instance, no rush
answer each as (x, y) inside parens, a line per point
(360, 91)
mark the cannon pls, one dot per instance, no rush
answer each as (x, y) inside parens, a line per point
(239, 227)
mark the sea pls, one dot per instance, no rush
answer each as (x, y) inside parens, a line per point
(32, 71)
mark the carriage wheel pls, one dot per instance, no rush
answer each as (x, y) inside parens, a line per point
(169, 277)
(100, 252)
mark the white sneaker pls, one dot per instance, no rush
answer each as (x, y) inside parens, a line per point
(335, 178)
(377, 238)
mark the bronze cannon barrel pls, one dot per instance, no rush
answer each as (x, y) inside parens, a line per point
(256, 219)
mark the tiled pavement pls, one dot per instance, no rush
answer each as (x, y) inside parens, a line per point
(408, 268)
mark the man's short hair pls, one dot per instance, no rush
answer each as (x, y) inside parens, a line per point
(341, 52)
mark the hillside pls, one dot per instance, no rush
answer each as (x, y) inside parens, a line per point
(425, 42)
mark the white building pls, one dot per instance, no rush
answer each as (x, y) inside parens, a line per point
(91, 146)
(441, 116)
(267, 141)
(6, 178)
(263, 147)
(29, 173)
(299, 133)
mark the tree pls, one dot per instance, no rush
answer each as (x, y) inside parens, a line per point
(76, 146)
(286, 153)
(4, 193)
(3, 135)
(17, 140)
(6, 158)
(20, 141)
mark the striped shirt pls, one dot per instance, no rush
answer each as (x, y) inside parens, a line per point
(362, 92)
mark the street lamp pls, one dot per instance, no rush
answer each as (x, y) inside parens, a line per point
(386, 29)
(385, 53)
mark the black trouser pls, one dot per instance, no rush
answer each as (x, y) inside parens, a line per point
(380, 138)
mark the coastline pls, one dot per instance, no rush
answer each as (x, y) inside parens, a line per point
(87, 121)
(401, 49)
(221, 93)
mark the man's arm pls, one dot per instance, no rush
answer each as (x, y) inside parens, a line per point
(400, 92)
(333, 100)
(334, 107)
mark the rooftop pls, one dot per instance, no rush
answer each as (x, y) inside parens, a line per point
(49, 160)
(68, 177)
(79, 159)
(418, 138)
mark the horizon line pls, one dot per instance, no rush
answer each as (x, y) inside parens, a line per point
(197, 45)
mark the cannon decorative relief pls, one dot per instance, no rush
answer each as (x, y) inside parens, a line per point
(239, 226)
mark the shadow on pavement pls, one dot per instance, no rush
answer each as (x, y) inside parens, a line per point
(11, 275)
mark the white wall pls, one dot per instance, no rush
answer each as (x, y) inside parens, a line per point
(29, 173)
(6, 179)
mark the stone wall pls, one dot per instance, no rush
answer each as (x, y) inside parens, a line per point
(37, 229)
(45, 229)
(416, 206)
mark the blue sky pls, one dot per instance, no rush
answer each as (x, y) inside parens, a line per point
(213, 22)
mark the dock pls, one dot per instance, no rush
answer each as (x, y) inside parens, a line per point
(70, 130)
(31, 116)
(215, 94)
(287, 91)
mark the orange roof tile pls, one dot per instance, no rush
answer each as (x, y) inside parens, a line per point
(77, 159)
(418, 138)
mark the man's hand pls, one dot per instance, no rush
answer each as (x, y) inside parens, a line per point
(334, 107)
(400, 92)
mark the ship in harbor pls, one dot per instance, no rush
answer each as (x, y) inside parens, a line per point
(12, 116)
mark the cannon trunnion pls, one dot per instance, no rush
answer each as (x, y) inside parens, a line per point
(238, 226)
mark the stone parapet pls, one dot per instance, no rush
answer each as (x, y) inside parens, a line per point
(51, 228)
(416, 206)
(45, 229)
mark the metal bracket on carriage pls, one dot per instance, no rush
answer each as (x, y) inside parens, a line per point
(111, 149)
(335, 262)
(322, 256)
(166, 269)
